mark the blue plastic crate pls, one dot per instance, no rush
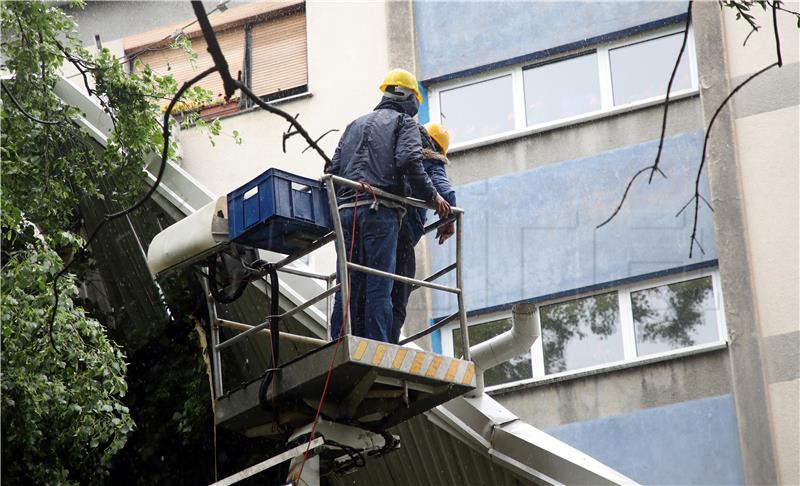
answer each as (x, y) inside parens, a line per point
(279, 211)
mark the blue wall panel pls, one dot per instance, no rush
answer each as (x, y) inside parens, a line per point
(532, 234)
(458, 36)
(694, 442)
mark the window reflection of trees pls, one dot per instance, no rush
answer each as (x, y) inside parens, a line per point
(515, 369)
(672, 314)
(562, 323)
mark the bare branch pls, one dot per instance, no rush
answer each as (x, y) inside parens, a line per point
(669, 88)
(777, 6)
(748, 36)
(320, 138)
(654, 168)
(777, 35)
(289, 118)
(698, 196)
(624, 196)
(213, 48)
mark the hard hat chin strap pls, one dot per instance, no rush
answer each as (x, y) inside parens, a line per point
(398, 93)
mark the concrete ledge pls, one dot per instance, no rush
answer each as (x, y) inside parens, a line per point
(603, 369)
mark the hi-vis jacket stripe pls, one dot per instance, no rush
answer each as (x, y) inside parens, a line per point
(412, 361)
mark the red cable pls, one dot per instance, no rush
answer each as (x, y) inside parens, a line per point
(339, 342)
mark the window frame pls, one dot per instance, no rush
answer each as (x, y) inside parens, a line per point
(606, 90)
(220, 108)
(627, 328)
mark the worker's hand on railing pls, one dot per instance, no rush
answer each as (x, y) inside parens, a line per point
(442, 207)
(445, 232)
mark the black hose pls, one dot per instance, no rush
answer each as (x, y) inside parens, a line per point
(274, 320)
(218, 294)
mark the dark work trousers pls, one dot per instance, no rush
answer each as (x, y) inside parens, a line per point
(406, 267)
(370, 295)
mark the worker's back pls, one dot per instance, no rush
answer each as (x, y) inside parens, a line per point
(376, 147)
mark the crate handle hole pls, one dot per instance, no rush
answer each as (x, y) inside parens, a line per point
(252, 192)
(296, 186)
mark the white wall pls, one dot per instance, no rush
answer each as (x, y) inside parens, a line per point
(347, 59)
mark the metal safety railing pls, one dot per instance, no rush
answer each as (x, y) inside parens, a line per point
(331, 287)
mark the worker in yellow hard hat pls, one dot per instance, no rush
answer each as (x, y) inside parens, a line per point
(381, 149)
(435, 142)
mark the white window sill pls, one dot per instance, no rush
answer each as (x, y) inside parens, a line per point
(604, 368)
(575, 120)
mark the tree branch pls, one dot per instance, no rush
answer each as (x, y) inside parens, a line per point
(669, 88)
(109, 217)
(697, 196)
(653, 168)
(25, 113)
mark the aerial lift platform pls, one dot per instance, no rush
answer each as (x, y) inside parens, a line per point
(360, 387)
(469, 423)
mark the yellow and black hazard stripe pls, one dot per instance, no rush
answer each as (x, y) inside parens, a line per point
(421, 363)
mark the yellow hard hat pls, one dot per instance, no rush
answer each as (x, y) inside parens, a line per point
(401, 77)
(440, 134)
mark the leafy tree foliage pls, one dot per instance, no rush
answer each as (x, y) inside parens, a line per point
(63, 387)
(63, 419)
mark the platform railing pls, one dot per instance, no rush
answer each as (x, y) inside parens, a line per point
(457, 216)
(331, 287)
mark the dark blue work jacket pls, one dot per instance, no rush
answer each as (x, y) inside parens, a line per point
(433, 164)
(383, 148)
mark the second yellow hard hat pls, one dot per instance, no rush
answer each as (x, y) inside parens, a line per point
(439, 134)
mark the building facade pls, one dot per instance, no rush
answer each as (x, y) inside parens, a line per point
(670, 368)
(672, 360)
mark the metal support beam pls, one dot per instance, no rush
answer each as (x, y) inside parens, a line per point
(462, 311)
(286, 314)
(353, 399)
(296, 338)
(425, 332)
(341, 252)
(312, 248)
(413, 281)
(273, 461)
(438, 274)
(303, 273)
(216, 364)
(386, 195)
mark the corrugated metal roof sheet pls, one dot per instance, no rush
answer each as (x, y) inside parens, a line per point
(429, 456)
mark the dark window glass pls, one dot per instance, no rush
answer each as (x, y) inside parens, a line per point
(674, 316)
(515, 369)
(581, 333)
(561, 89)
(642, 70)
(478, 110)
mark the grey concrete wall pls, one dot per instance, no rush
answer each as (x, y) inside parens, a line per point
(573, 141)
(621, 391)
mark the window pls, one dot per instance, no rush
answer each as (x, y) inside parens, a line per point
(263, 43)
(527, 98)
(580, 333)
(674, 316)
(639, 71)
(561, 89)
(626, 324)
(479, 109)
